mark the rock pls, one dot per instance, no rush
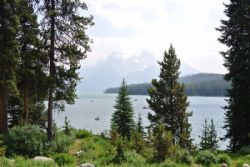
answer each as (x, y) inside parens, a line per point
(41, 158)
(245, 165)
(224, 165)
(78, 153)
(87, 165)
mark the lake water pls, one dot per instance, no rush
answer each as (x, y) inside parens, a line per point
(83, 113)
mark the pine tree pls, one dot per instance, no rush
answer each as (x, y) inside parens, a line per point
(122, 118)
(32, 64)
(8, 57)
(162, 142)
(169, 102)
(209, 139)
(63, 27)
(236, 36)
(137, 142)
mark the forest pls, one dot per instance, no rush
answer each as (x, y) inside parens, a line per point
(203, 84)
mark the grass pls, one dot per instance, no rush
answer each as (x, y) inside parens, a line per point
(100, 152)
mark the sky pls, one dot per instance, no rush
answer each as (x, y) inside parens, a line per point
(133, 26)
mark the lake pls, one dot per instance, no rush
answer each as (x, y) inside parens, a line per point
(90, 106)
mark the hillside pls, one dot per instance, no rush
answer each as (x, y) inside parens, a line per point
(202, 84)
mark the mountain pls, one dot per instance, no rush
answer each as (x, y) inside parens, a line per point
(202, 84)
(109, 72)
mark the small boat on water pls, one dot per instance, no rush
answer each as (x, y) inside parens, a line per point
(97, 118)
(144, 107)
(135, 99)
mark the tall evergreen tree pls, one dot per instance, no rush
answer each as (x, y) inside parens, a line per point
(208, 137)
(236, 36)
(63, 27)
(169, 102)
(32, 64)
(8, 57)
(122, 119)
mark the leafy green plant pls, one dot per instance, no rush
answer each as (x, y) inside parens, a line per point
(183, 156)
(25, 140)
(169, 163)
(63, 159)
(61, 143)
(81, 133)
(2, 147)
(244, 150)
(224, 158)
(206, 158)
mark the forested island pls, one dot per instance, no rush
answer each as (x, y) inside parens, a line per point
(202, 84)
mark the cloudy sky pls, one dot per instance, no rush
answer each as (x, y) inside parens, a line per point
(131, 26)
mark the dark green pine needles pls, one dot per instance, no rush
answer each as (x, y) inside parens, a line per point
(169, 102)
(122, 119)
(236, 36)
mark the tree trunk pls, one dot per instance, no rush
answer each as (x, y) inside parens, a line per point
(3, 111)
(52, 68)
(26, 104)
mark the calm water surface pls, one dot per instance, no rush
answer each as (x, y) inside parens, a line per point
(89, 106)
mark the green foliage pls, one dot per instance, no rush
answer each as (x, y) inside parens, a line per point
(209, 139)
(224, 158)
(119, 156)
(61, 143)
(2, 146)
(63, 159)
(67, 128)
(169, 163)
(206, 158)
(81, 133)
(244, 150)
(122, 118)
(242, 160)
(169, 102)
(162, 142)
(23, 162)
(25, 140)
(236, 58)
(97, 150)
(184, 157)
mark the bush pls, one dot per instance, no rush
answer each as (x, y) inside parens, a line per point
(81, 133)
(206, 158)
(184, 157)
(25, 140)
(22, 162)
(224, 158)
(64, 159)
(169, 163)
(61, 143)
(2, 147)
(244, 150)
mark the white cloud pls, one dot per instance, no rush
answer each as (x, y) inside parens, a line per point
(189, 25)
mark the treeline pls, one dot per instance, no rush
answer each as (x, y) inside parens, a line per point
(195, 85)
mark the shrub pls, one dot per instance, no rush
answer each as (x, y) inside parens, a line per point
(224, 158)
(244, 150)
(183, 156)
(206, 158)
(25, 140)
(63, 159)
(169, 163)
(81, 133)
(61, 143)
(22, 162)
(2, 147)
